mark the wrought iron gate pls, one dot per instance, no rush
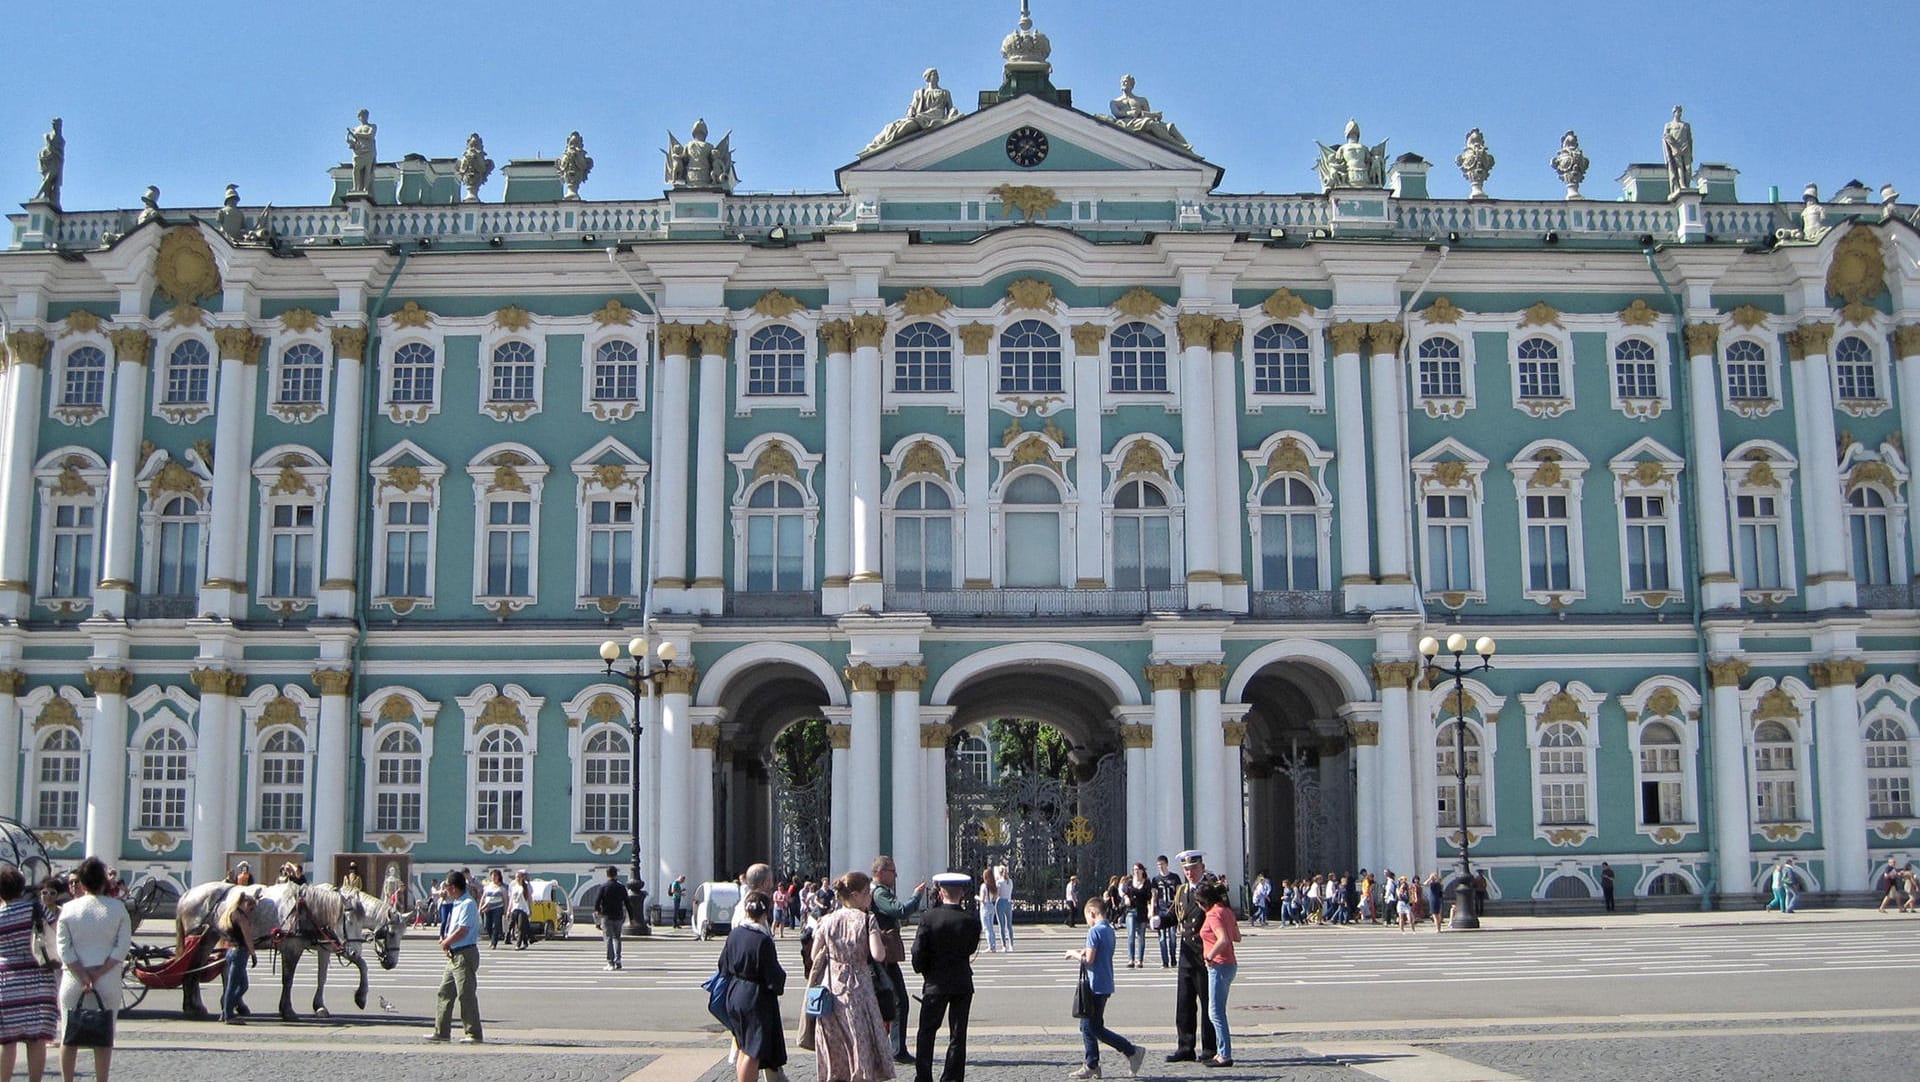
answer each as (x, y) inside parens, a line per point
(1323, 830)
(802, 819)
(1044, 829)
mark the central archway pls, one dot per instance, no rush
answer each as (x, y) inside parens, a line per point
(1298, 763)
(772, 775)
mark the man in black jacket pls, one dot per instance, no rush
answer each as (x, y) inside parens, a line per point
(1190, 1018)
(611, 905)
(943, 953)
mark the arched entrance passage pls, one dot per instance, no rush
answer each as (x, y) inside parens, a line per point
(1052, 802)
(1298, 766)
(772, 772)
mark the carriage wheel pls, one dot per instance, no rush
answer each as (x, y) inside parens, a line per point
(131, 990)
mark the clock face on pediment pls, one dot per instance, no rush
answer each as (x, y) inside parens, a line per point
(1026, 146)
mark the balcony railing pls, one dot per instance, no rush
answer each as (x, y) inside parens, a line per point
(1898, 595)
(164, 607)
(1038, 601)
(773, 603)
(1291, 604)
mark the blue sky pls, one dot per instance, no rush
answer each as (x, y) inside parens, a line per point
(192, 95)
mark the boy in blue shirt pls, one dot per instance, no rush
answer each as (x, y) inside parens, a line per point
(1097, 960)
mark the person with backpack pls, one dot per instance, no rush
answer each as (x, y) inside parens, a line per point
(610, 905)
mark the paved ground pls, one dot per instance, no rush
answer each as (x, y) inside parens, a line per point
(1820, 994)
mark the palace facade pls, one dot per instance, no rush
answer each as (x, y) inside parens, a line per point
(315, 518)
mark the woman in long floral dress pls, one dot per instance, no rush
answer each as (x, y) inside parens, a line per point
(27, 1010)
(851, 1041)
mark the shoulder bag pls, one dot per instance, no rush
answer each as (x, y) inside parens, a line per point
(894, 947)
(45, 953)
(1082, 995)
(717, 986)
(89, 1027)
(819, 1001)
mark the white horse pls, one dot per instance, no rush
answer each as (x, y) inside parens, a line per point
(294, 918)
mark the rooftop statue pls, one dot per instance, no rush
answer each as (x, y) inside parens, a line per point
(1131, 111)
(1677, 140)
(473, 168)
(700, 165)
(1353, 164)
(1571, 164)
(53, 167)
(931, 107)
(231, 220)
(1813, 218)
(149, 206)
(573, 166)
(1476, 163)
(360, 142)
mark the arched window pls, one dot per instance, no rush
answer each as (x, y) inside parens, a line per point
(1289, 536)
(923, 359)
(189, 373)
(1868, 522)
(1662, 778)
(1030, 358)
(1568, 887)
(1746, 367)
(923, 537)
(283, 782)
(1776, 776)
(500, 775)
(616, 371)
(1137, 356)
(1446, 774)
(86, 378)
(1282, 363)
(1540, 375)
(163, 774)
(179, 544)
(511, 377)
(57, 788)
(412, 375)
(1441, 373)
(607, 783)
(1142, 538)
(1889, 771)
(1560, 758)
(1032, 531)
(975, 758)
(1635, 371)
(303, 370)
(776, 537)
(1853, 370)
(776, 361)
(1668, 884)
(396, 784)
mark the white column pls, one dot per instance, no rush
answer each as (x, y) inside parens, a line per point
(337, 585)
(224, 593)
(1233, 802)
(1732, 825)
(1829, 585)
(27, 351)
(837, 525)
(1350, 462)
(1387, 425)
(1426, 801)
(12, 793)
(704, 732)
(709, 475)
(330, 762)
(864, 583)
(1136, 737)
(1089, 536)
(106, 823)
(117, 584)
(1404, 754)
(976, 391)
(909, 782)
(1229, 504)
(1209, 761)
(1719, 589)
(1843, 773)
(670, 412)
(1371, 799)
(678, 817)
(864, 766)
(839, 841)
(216, 757)
(1169, 760)
(935, 729)
(1197, 462)
(1906, 340)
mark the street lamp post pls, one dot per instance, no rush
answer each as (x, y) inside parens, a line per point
(644, 681)
(1464, 916)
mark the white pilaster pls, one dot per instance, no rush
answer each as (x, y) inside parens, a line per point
(12, 683)
(865, 764)
(28, 352)
(935, 722)
(1372, 801)
(1209, 762)
(909, 781)
(106, 821)
(1719, 589)
(702, 791)
(1227, 504)
(330, 761)
(1732, 824)
(1907, 345)
(216, 757)
(837, 407)
(678, 817)
(224, 594)
(1388, 429)
(117, 586)
(337, 585)
(1198, 465)
(709, 485)
(1089, 534)
(864, 585)
(1841, 753)
(1137, 739)
(1350, 472)
(976, 390)
(671, 412)
(1426, 788)
(1232, 800)
(1169, 760)
(839, 836)
(1405, 754)
(1829, 585)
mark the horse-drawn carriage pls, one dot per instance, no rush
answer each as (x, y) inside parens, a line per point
(165, 967)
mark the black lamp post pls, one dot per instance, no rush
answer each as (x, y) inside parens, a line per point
(1464, 915)
(643, 680)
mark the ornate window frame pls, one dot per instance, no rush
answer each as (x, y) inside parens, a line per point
(1658, 335)
(1040, 401)
(405, 473)
(1034, 452)
(1451, 468)
(1788, 702)
(1110, 398)
(1577, 707)
(506, 472)
(1561, 340)
(289, 476)
(1872, 334)
(744, 326)
(488, 710)
(600, 708)
(1309, 323)
(160, 837)
(610, 326)
(509, 327)
(1544, 469)
(1762, 468)
(165, 343)
(775, 455)
(953, 398)
(80, 413)
(915, 458)
(73, 477)
(163, 479)
(1896, 699)
(1764, 336)
(283, 341)
(412, 325)
(1882, 471)
(388, 710)
(609, 470)
(268, 711)
(1437, 405)
(39, 717)
(1648, 470)
(1290, 455)
(1148, 458)
(1481, 716)
(1665, 700)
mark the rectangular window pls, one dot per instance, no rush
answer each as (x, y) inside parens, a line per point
(610, 548)
(923, 368)
(179, 563)
(72, 551)
(1758, 523)
(1636, 379)
(397, 798)
(1660, 802)
(1889, 797)
(1549, 563)
(408, 542)
(59, 792)
(1778, 800)
(1139, 371)
(1563, 802)
(1540, 379)
(509, 548)
(1441, 377)
(291, 572)
(1646, 518)
(1449, 544)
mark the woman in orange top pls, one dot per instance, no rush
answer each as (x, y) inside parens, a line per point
(1218, 934)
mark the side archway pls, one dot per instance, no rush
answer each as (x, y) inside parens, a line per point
(1107, 671)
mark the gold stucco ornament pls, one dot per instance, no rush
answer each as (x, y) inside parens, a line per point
(183, 268)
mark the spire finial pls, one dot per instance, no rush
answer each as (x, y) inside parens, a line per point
(1026, 17)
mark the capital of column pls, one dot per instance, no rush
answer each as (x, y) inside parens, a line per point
(705, 736)
(238, 344)
(110, 681)
(1385, 337)
(350, 343)
(1365, 734)
(12, 681)
(1086, 339)
(1196, 329)
(863, 676)
(840, 736)
(28, 348)
(679, 681)
(1840, 672)
(1809, 340)
(1906, 340)
(869, 330)
(1136, 736)
(676, 339)
(1727, 674)
(838, 335)
(1702, 339)
(1234, 733)
(713, 338)
(1226, 335)
(907, 677)
(1393, 674)
(1166, 677)
(130, 344)
(1207, 676)
(219, 682)
(974, 338)
(1347, 337)
(934, 735)
(332, 681)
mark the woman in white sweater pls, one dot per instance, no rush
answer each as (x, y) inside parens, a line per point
(94, 935)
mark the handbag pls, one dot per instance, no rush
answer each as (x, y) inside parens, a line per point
(717, 986)
(895, 945)
(882, 993)
(819, 1001)
(1082, 995)
(45, 954)
(89, 1027)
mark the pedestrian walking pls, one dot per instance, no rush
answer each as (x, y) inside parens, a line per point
(851, 1037)
(493, 908)
(943, 951)
(755, 984)
(1218, 933)
(460, 938)
(1190, 1016)
(1003, 906)
(519, 909)
(1262, 894)
(1072, 898)
(1606, 885)
(1777, 884)
(93, 934)
(1163, 924)
(1137, 891)
(990, 909)
(781, 893)
(236, 930)
(677, 890)
(1092, 993)
(610, 905)
(28, 1011)
(1436, 903)
(889, 913)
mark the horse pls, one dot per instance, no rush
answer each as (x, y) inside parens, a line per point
(294, 918)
